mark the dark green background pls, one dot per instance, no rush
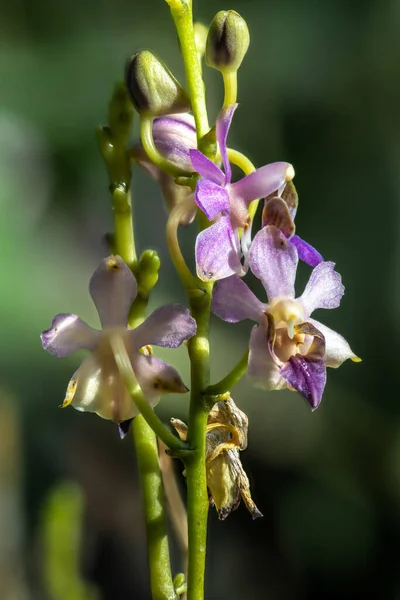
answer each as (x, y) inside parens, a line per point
(318, 88)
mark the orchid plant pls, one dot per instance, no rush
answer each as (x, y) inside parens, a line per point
(121, 379)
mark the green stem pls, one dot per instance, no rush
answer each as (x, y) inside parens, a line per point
(197, 499)
(131, 383)
(230, 87)
(227, 383)
(181, 11)
(162, 587)
(146, 136)
(124, 236)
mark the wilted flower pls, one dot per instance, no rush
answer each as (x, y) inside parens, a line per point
(97, 386)
(226, 479)
(288, 349)
(218, 250)
(174, 136)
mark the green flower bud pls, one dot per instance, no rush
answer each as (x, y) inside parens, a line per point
(153, 89)
(227, 42)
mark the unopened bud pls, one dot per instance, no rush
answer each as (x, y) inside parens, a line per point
(153, 89)
(200, 38)
(227, 42)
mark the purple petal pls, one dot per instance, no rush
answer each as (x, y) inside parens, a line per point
(67, 334)
(233, 301)
(273, 259)
(306, 252)
(337, 349)
(168, 326)
(174, 137)
(306, 376)
(323, 290)
(124, 428)
(261, 183)
(211, 198)
(113, 288)
(156, 377)
(262, 366)
(217, 251)
(222, 128)
(276, 212)
(206, 168)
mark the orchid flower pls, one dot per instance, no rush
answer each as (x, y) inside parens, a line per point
(288, 349)
(97, 386)
(218, 250)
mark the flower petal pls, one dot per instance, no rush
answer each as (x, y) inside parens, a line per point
(222, 129)
(211, 198)
(156, 377)
(67, 334)
(113, 288)
(273, 259)
(233, 301)
(174, 137)
(217, 251)
(276, 212)
(337, 349)
(323, 290)
(306, 252)
(206, 168)
(261, 183)
(97, 387)
(262, 366)
(307, 376)
(168, 326)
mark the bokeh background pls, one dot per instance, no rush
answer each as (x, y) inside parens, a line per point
(319, 88)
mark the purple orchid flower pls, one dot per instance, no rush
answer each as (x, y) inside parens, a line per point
(218, 250)
(97, 386)
(288, 349)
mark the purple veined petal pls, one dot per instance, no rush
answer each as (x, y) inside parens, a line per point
(206, 168)
(124, 427)
(306, 252)
(113, 288)
(262, 367)
(273, 259)
(67, 334)
(156, 377)
(169, 326)
(323, 290)
(233, 301)
(337, 349)
(174, 137)
(97, 387)
(211, 198)
(217, 251)
(306, 376)
(261, 183)
(223, 124)
(276, 212)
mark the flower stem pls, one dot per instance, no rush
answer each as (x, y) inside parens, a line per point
(227, 383)
(197, 499)
(124, 236)
(146, 136)
(162, 587)
(182, 15)
(128, 375)
(230, 87)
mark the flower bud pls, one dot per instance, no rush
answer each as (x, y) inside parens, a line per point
(227, 42)
(200, 38)
(153, 89)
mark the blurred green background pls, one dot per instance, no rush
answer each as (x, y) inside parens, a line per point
(318, 88)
